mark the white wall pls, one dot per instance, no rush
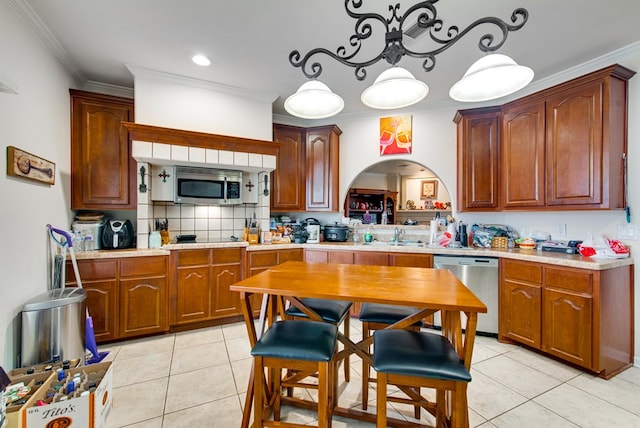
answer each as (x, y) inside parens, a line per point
(35, 120)
(171, 102)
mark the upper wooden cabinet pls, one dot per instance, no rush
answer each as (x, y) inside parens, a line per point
(522, 165)
(478, 155)
(560, 148)
(103, 174)
(288, 182)
(306, 175)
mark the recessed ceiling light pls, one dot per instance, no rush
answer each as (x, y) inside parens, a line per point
(201, 60)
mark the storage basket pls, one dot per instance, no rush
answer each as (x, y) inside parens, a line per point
(499, 242)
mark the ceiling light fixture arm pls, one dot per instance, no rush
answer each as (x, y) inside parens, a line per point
(394, 48)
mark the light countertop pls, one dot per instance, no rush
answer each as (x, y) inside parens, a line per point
(569, 260)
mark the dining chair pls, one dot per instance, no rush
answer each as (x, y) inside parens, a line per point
(308, 348)
(332, 311)
(414, 359)
(376, 316)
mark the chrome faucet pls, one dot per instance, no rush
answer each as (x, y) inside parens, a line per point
(396, 234)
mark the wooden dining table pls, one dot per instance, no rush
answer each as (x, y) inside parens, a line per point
(429, 290)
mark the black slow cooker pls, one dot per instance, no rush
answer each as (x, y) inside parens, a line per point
(336, 232)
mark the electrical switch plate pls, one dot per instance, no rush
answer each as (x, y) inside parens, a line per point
(628, 231)
(561, 230)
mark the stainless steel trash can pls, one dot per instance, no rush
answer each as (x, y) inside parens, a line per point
(53, 327)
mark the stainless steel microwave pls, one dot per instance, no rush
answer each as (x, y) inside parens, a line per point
(207, 186)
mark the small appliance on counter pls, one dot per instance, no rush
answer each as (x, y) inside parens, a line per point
(117, 234)
(336, 232)
(313, 230)
(570, 247)
(90, 228)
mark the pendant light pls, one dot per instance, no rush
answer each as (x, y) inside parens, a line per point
(492, 76)
(394, 88)
(314, 100)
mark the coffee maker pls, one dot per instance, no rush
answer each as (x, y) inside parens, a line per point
(313, 230)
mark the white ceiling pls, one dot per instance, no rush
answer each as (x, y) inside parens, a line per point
(249, 41)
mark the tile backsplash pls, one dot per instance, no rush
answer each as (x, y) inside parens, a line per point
(210, 223)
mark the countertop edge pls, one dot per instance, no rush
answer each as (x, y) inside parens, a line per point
(568, 260)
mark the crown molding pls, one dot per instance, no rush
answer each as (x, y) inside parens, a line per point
(108, 89)
(31, 19)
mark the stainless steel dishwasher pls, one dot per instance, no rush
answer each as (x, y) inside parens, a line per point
(480, 275)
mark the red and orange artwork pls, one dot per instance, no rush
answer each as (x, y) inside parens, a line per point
(395, 135)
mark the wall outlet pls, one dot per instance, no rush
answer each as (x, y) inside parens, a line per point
(561, 230)
(628, 231)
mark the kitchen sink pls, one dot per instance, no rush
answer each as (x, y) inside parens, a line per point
(409, 244)
(395, 244)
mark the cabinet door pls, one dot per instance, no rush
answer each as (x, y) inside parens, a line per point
(567, 331)
(192, 294)
(574, 146)
(478, 140)
(522, 151)
(102, 299)
(103, 172)
(225, 302)
(520, 307)
(143, 306)
(290, 255)
(344, 257)
(288, 180)
(322, 157)
(316, 256)
(411, 260)
(371, 258)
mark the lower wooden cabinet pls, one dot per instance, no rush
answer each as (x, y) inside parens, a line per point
(200, 284)
(375, 258)
(143, 296)
(259, 261)
(582, 316)
(126, 297)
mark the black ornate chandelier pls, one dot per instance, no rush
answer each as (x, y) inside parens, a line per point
(396, 26)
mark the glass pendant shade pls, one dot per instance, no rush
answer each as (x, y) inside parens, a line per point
(394, 88)
(313, 100)
(492, 76)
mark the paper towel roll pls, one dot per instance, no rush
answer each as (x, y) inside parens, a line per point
(434, 231)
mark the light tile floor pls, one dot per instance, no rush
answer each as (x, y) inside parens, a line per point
(199, 379)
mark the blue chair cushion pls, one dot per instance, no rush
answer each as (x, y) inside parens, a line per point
(386, 314)
(417, 354)
(332, 311)
(298, 340)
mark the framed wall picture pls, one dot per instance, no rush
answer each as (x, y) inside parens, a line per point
(429, 189)
(26, 165)
(395, 135)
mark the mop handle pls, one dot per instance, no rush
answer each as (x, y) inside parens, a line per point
(67, 235)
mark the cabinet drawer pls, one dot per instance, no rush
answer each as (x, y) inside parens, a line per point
(579, 281)
(193, 257)
(263, 258)
(290, 255)
(226, 255)
(522, 271)
(147, 266)
(92, 270)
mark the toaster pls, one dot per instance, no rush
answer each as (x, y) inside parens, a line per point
(117, 234)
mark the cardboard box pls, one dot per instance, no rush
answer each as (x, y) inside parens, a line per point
(39, 368)
(89, 411)
(15, 413)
